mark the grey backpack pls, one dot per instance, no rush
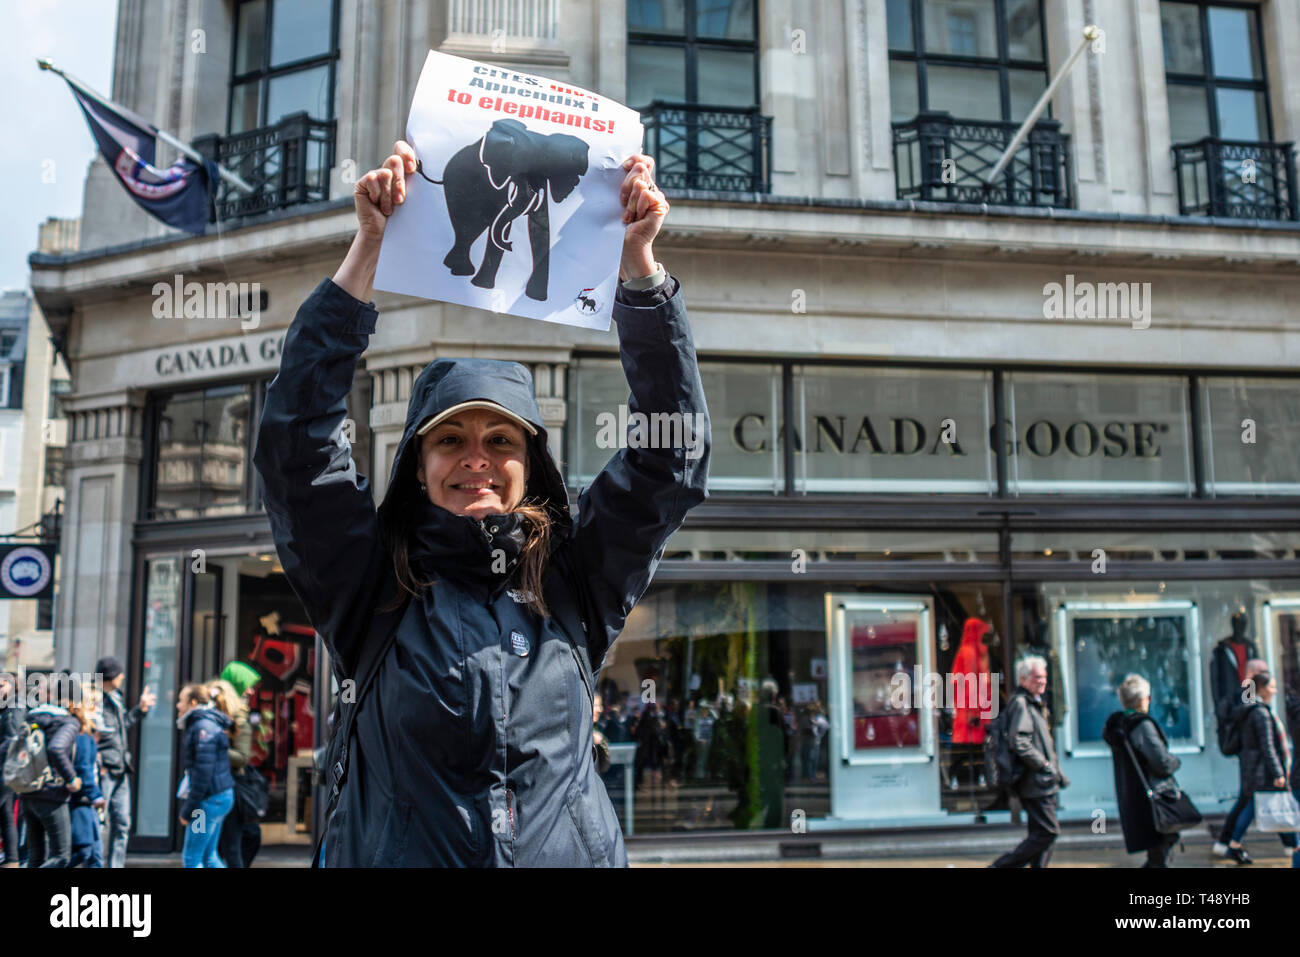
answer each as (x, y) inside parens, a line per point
(27, 765)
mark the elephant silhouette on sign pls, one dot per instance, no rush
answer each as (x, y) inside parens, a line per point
(509, 172)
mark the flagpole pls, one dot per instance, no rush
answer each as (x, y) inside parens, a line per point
(46, 64)
(1090, 33)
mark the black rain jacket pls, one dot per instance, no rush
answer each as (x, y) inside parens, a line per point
(473, 746)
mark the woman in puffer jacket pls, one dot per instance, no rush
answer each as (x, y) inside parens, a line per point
(49, 819)
(1266, 764)
(472, 743)
(207, 788)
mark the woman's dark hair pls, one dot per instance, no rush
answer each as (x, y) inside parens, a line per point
(399, 506)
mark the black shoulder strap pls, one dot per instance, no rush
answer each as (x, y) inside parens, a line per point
(380, 636)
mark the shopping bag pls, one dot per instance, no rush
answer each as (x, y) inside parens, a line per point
(1276, 811)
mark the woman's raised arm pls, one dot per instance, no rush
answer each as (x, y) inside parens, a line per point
(321, 510)
(641, 496)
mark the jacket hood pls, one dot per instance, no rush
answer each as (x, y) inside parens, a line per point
(207, 711)
(972, 632)
(1114, 730)
(448, 382)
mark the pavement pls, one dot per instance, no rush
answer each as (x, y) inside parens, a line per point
(1077, 846)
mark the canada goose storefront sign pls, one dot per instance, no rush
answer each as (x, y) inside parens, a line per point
(514, 207)
(26, 571)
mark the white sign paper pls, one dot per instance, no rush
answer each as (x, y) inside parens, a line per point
(524, 217)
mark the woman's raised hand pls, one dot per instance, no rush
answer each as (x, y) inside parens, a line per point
(644, 209)
(381, 190)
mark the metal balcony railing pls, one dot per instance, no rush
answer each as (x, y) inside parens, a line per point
(937, 157)
(1236, 179)
(709, 147)
(287, 164)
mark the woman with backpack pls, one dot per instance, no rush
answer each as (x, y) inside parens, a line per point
(1133, 735)
(207, 788)
(49, 821)
(472, 611)
(1266, 765)
(84, 806)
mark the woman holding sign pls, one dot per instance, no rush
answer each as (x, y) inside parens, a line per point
(468, 617)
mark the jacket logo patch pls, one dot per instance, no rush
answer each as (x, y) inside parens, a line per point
(519, 643)
(519, 595)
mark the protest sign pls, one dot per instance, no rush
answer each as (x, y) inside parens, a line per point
(515, 207)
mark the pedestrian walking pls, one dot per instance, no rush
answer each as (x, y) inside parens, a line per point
(1133, 735)
(513, 602)
(207, 789)
(115, 755)
(49, 822)
(86, 805)
(1031, 742)
(1266, 765)
(13, 723)
(241, 832)
(1231, 707)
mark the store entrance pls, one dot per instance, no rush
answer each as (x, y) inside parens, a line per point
(203, 611)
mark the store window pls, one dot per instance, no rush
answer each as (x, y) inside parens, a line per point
(884, 430)
(1250, 430)
(1215, 74)
(284, 61)
(692, 51)
(975, 59)
(162, 621)
(1103, 642)
(1098, 434)
(202, 450)
(744, 405)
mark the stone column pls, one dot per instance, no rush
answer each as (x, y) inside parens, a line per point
(103, 475)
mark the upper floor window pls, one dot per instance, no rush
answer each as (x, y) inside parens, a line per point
(284, 60)
(692, 51)
(692, 71)
(975, 59)
(1214, 63)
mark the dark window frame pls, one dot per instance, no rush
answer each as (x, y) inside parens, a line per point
(690, 41)
(266, 72)
(251, 499)
(1210, 82)
(1003, 63)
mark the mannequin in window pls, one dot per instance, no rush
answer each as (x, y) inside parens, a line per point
(973, 689)
(1228, 662)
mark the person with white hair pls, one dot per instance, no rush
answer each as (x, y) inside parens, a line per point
(1030, 730)
(1150, 748)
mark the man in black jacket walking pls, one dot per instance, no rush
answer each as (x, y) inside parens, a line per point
(1031, 740)
(115, 758)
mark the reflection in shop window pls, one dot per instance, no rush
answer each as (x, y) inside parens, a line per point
(1107, 642)
(157, 727)
(201, 453)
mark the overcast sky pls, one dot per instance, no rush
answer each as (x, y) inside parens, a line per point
(40, 118)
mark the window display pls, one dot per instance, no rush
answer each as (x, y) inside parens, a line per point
(1110, 641)
(885, 643)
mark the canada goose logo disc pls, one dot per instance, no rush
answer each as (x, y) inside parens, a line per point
(519, 642)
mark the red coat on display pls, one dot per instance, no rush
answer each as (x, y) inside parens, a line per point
(972, 659)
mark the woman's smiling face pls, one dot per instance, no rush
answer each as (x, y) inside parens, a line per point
(475, 464)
